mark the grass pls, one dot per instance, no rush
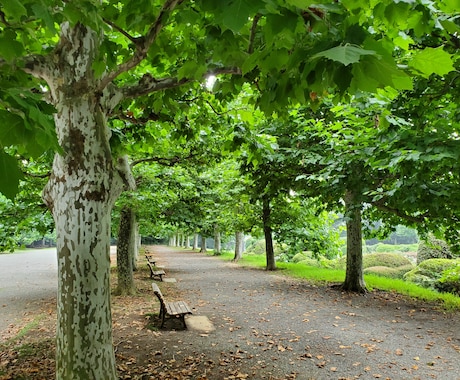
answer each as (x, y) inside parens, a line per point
(325, 276)
(25, 330)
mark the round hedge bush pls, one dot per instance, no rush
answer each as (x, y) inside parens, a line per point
(391, 260)
(433, 249)
(310, 262)
(397, 272)
(429, 272)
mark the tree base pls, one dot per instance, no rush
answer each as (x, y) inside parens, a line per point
(351, 288)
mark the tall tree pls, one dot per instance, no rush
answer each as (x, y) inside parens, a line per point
(105, 54)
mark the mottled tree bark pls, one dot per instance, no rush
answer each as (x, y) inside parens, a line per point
(269, 251)
(217, 241)
(81, 191)
(239, 246)
(195, 242)
(354, 279)
(203, 244)
(125, 252)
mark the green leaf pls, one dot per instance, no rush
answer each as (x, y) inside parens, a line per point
(10, 127)
(432, 61)
(302, 4)
(191, 70)
(14, 8)
(373, 73)
(10, 174)
(10, 48)
(237, 12)
(449, 6)
(346, 54)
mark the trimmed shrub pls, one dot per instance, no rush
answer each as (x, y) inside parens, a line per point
(257, 248)
(429, 272)
(397, 272)
(450, 280)
(391, 260)
(301, 256)
(433, 249)
(310, 262)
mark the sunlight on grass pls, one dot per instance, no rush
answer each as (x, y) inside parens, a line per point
(326, 276)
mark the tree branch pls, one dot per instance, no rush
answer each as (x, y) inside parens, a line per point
(44, 175)
(253, 33)
(165, 161)
(3, 18)
(143, 44)
(135, 40)
(148, 84)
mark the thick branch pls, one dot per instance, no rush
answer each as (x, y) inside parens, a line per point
(142, 44)
(148, 84)
(39, 66)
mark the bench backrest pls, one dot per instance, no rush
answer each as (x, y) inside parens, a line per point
(158, 293)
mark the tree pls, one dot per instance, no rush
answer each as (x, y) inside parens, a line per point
(125, 252)
(93, 69)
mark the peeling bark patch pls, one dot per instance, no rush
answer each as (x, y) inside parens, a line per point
(76, 149)
(96, 195)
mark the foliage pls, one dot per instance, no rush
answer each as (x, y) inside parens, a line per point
(391, 272)
(429, 272)
(391, 260)
(312, 262)
(301, 256)
(391, 248)
(433, 249)
(450, 280)
(258, 248)
(26, 219)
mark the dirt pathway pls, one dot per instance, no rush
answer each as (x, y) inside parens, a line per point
(272, 327)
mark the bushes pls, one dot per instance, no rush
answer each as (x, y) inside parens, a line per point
(391, 260)
(391, 272)
(450, 280)
(430, 272)
(433, 249)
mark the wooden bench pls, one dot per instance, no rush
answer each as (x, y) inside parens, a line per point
(156, 272)
(150, 259)
(177, 309)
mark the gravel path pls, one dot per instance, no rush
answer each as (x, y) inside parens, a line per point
(271, 327)
(28, 281)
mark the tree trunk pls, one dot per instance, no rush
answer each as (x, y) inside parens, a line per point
(187, 242)
(354, 280)
(135, 242)
(269, 251)
(217, 241)
(195, 242)
(203, 244)
(125, 252)
(239, 245)
(80, 193)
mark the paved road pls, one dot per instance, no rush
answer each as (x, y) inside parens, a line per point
(27, 280)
